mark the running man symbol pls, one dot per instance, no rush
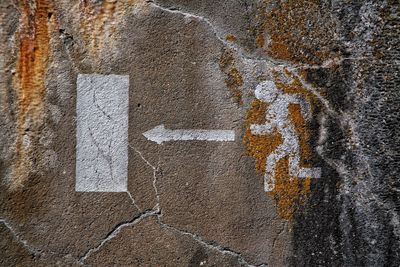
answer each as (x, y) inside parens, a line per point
(277, 117)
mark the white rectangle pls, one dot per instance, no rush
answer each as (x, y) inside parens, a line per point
(102, 133)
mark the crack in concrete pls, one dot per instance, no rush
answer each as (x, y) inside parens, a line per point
(99, 107)
(108, 158)
(275, 64)
(117, 229)
(280, 232)
(133, 201)
(103, 153)
(212, 245)
(137, 219)
(208, 244)
(244, 55)
(208, 22)
(156, 211)
(156, 170)
(279, 65)
(24, 243)
(310, 88)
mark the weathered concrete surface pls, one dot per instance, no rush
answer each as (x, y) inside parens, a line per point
(196, 65)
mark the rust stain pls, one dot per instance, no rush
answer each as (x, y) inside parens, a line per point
(30, 87)
(300, 31)
(99, 22)
(289, 192)
(234, 80)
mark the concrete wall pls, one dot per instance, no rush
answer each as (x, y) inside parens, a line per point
(199, 133)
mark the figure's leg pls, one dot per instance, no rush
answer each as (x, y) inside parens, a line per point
(310, 172)
(272, 159)
(292, 146)
(296, 171)
(294, 164)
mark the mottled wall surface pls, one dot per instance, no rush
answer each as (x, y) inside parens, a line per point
(309, 90)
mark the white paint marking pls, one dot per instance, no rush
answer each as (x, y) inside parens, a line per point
(159, 135)
(102, 133)
(277, 117)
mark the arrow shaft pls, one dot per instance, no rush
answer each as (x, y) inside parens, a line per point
(201, 135)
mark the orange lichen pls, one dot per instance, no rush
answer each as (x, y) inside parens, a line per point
(226, 59)
(30, 87)
(260, 40)
(289, 192)
(259, 146)
(295, 87)
(230, 38)
(234, 80)
(298, 30)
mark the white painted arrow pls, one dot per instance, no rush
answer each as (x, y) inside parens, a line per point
(159, 135)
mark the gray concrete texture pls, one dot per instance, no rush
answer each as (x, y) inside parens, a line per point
(196, 65)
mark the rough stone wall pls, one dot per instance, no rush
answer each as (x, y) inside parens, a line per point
(196, 65)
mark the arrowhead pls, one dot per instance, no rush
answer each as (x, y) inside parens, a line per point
(157, 134)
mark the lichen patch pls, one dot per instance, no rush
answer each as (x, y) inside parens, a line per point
(234, 80)
(294, 29)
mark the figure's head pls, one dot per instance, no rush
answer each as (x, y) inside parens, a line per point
(266, 91)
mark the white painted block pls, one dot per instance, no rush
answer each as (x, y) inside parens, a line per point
(102, 133)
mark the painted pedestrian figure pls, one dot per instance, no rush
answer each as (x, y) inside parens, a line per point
(277, 117)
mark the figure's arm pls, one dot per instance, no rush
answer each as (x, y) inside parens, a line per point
(260, 129)
(304, 105)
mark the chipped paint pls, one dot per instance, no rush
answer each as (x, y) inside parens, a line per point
(289, 191)
(30, 84)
